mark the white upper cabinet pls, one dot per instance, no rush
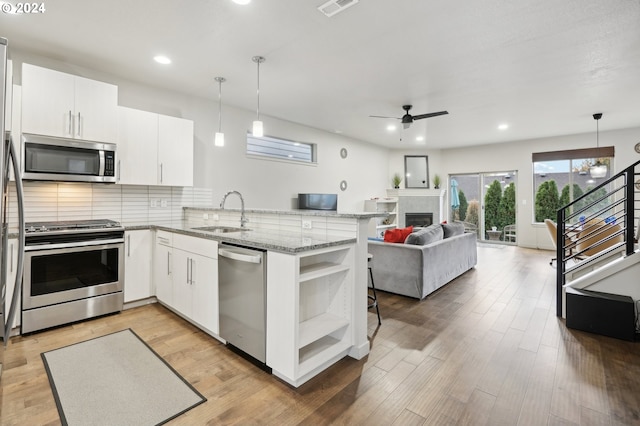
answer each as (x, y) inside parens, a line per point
(175, 151)
(154, 149)
(137, 147)
(65, 105)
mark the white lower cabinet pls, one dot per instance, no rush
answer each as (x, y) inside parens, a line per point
(162, 264)
(137, 265)
(186, 277)
(309, 311)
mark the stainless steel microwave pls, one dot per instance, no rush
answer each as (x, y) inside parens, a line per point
(67, 160)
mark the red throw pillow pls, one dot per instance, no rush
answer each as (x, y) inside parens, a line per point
(405, 232)
(397, 235)
(392, 236)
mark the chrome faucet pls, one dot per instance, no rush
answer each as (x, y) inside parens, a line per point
(243, 218)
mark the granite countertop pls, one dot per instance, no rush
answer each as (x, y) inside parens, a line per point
(287, 242)
(325, 213)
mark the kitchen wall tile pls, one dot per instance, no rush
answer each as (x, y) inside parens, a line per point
(159, 203)
(135, 204)
(74, 201)
(41, 201)
(107, 202)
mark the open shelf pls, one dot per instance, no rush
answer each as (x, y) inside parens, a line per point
(321, 269)
(317, 327)
(310, 356)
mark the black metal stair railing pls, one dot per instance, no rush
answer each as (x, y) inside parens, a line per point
(596, 225)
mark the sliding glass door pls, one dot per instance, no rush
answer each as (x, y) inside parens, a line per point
(486, 203)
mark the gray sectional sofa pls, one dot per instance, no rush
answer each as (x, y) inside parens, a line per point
(428, 259)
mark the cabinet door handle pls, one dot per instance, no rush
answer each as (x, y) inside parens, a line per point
(192, 281)
(79, 125)
(161, 173)
(70, 132)
(128, 245)
(118, 170)
(11, 259)
(168, 263)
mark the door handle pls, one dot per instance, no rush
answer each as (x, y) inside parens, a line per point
(128, 245)
(79, 125)
(70, 132)
(168, 263)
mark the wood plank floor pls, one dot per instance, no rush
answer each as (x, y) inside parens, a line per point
(487, 349)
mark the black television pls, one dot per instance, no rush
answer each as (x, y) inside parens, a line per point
(318, 202)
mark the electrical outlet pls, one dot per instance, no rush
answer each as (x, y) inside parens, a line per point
(205, 216)
(306, 224)
(154, 203)
(216, 216)
(164, 203)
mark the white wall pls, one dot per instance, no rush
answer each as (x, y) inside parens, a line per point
(518, 156)
(264, 183)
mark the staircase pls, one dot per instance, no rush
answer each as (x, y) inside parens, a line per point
(598, 268)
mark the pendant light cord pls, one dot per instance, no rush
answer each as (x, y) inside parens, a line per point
(220, 105)
(258, 90)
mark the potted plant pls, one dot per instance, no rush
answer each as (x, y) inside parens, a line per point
(396, 180)
(436, 181)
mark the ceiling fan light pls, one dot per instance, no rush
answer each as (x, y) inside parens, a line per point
(258, 129)
(219, 139)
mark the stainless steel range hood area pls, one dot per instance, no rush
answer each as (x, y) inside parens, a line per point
(67, 160)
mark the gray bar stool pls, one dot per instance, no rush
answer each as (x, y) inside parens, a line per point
(373, 300)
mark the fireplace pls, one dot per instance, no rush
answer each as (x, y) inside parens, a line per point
(418, 219)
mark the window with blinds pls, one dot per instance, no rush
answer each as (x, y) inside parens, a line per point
(281, 149)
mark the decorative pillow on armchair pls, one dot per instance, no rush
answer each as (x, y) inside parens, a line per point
(397, 235)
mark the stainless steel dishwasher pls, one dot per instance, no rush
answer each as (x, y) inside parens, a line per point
(242, 278)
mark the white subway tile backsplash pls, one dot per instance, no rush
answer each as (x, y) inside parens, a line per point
(41, 201)
(106, 202)
(74, 201)
(135, 204)
(128, 204)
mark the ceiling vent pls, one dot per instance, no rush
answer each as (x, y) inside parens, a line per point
(334, 7)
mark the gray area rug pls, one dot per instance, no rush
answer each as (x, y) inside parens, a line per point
(116, 380)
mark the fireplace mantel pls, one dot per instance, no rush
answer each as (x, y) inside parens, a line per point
(420, 201)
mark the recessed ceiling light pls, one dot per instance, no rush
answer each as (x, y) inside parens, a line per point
(503, 126)
(242, 2)
(161, 59)
(419, 138)
(391, 127)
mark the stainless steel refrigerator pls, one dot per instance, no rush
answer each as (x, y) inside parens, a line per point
(8, 159)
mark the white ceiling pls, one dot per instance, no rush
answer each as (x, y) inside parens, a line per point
(542, 66)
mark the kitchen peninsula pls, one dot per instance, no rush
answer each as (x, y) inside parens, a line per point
(316, 298)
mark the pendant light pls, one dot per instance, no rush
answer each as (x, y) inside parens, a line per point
(219, 138)
(258, 128)
(598, 170)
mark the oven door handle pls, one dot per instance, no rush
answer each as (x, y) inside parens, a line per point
(45, 246)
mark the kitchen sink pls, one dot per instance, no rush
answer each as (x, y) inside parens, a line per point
(220, 229)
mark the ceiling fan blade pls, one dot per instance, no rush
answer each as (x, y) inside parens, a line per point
(431, 114)
(382, 116)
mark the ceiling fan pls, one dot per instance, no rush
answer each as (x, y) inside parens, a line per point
(407, 118)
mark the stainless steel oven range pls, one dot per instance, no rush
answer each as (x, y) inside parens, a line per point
(73, 270)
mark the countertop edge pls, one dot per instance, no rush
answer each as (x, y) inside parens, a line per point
(246, 242)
